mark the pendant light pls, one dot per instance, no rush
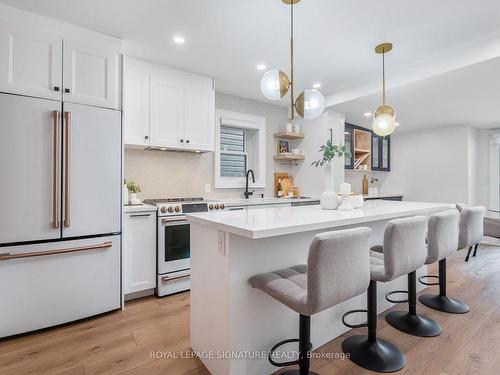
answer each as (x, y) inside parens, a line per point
(275, 84)
(384, 117)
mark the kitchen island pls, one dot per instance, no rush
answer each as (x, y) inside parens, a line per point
(233, 325)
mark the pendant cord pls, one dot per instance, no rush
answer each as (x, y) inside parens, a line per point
(383, 78)
(292, 82)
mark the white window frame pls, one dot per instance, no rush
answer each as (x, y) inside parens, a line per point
(256, 156)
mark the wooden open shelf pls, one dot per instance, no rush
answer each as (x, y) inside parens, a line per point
(289, 157)
(362, 150)
(284, 135)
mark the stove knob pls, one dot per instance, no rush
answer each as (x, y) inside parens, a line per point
(222, 206)
(210, 206)
(170, 209)
(177, 209)
(163, 210)
(217, 206)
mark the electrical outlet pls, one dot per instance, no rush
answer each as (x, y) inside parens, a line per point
(208, 188)
(220, 242)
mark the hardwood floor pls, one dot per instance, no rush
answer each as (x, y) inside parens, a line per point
(122, 342)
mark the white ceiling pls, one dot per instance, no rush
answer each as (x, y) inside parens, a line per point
(334, 38)
(466, 96)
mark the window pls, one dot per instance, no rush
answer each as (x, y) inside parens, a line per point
(233, 157)
(240, 145)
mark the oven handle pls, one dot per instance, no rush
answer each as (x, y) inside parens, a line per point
(172, 278)
(173, 220)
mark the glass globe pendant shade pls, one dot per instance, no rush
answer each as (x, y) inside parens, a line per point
(274, 84)
(384, 121)
(310, 104)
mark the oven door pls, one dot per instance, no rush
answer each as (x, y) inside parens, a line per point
(173, 244)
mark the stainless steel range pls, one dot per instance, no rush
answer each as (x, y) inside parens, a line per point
(173, 241)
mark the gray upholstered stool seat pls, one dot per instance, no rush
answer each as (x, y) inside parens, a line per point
(403, 252)
(338, 268)
(289, 286)
(471, 228)
(442, 242)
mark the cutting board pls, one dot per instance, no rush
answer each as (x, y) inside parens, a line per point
(277, 176)
(287, 185)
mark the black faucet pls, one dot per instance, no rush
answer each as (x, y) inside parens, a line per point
(248, 193)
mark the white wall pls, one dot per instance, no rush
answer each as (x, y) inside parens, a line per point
(431, 165)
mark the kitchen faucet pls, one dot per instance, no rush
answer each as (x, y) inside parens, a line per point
(248, 193)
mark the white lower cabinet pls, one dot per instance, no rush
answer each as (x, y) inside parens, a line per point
(47, 284)
(139, 251)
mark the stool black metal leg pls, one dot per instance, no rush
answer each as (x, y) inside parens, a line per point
(369, 351)
(475, 250)
(304, 348)
(410, 322)
(441, 301)
(468, 253)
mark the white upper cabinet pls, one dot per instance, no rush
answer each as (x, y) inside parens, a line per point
(30, 62)
(135, 105)
(177, 112)
(90, 74)
(167, 110)
(81, 67)
(199, 112)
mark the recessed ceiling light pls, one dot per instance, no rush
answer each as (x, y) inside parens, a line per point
(317, 85)
(397, 123)
(179, 39)
(261, 67)
(368, 114)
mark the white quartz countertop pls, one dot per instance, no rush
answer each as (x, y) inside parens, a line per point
(266, 201)
(139, 208)
(276, 221)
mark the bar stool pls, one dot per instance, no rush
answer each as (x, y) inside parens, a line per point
(470, 228)
(338, 268)
(410, 236)
(442, 241)
(402, 253)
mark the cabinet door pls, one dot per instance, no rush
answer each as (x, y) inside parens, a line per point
(30, 62)
(92, 186)
(167, 109)
(349, 143)
(90, 74)
(43, 291)
(139, 251)
(385, 153)
(136, 107)
(199, 113)
(29, 169)
(376, 164)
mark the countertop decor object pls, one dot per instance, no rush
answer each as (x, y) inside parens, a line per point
(384, 117)
(345, 190)
(275, 84)
(133, 189)
(329, 150)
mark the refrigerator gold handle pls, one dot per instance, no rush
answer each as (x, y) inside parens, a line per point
(8, 256)
(55, 176)
(67, 154)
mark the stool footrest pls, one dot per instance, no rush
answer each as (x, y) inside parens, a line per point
(421, 278)
(396, 301)
(361, 325)
(282, 364)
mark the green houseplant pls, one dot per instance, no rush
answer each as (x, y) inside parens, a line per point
(329, 151)
(133, 189)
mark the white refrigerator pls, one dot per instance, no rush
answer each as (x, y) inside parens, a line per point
(60, 212)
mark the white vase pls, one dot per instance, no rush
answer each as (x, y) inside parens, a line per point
(133, 198)
(329, 199)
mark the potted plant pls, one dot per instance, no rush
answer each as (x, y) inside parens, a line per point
(329, 152)
(133, 189)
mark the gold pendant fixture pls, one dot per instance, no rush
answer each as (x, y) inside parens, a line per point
(275, 84)
(384, 117)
